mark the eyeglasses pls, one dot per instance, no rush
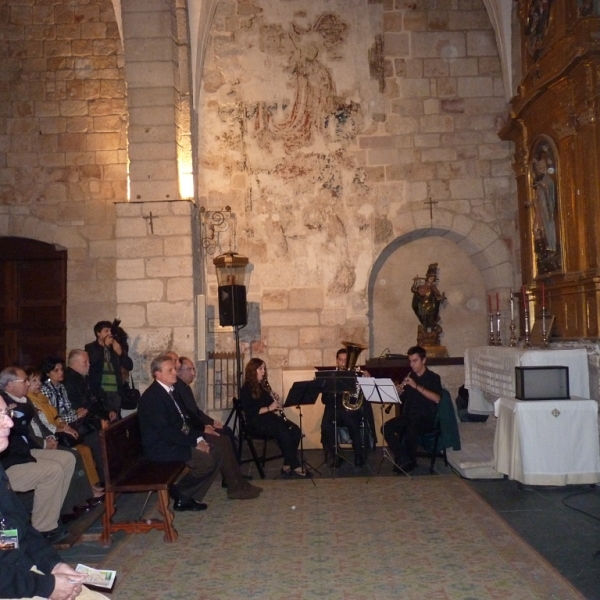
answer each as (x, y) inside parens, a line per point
(187, 369)
(6, 412)
(20, 381)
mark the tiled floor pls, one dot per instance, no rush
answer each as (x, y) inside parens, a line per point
(566, 537)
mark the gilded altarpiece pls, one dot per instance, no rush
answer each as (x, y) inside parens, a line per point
(554, 126)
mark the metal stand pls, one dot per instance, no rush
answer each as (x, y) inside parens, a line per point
(306, 466)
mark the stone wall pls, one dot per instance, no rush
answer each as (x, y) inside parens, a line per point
(326, 128)
(63, 161)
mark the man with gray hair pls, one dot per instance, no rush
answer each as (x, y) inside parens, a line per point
(47, 472)
(168, 437)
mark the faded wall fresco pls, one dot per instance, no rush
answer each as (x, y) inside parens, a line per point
(285, 130)
(326, 126)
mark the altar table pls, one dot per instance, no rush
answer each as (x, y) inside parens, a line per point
(547, 442)
(490, 372)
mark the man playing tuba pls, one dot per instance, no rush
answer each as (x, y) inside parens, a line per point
(336, 408)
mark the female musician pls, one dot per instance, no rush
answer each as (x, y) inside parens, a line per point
(262, 409)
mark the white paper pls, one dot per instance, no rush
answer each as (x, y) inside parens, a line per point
(96, 577)
(380, 391)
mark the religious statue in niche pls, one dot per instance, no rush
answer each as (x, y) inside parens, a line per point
(536, 26)
(588, 8)
(426, 303)
(544, 202)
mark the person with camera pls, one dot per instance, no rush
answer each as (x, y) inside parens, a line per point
(107, 356)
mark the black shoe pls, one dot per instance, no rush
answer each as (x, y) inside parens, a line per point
(358, 460)
(96, 501)
(56, 535)
(405, 467)
(223, 484)
(188, 505)
(174, 492)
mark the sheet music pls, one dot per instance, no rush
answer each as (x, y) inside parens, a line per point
(380, 390)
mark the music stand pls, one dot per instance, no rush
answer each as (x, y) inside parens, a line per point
(337, 382)
(381, 391)
(303, 393)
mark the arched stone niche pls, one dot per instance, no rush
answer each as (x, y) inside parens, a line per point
(469, 270)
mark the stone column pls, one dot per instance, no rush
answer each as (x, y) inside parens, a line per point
(155, 279)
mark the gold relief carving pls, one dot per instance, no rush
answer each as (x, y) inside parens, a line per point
(565, 128)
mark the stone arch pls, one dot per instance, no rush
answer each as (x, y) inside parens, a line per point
(482, 245)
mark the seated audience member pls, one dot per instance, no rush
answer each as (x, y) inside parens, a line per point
(186, 373)
(263, 416)
(421, 394)
(65, 434)
(107, 358)
(77, 384)
(85, 424)
(230, 470)
(32, 568)
(47, 472)
(168, 437)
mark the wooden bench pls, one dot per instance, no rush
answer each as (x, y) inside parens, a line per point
(126, 470)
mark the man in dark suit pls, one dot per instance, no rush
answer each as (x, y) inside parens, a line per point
(169, 434)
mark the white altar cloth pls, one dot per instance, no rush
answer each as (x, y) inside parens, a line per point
(490, 372)
(547, 442)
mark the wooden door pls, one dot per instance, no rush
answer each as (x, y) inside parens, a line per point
(33, 301)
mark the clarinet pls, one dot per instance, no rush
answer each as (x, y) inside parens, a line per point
(267, 386)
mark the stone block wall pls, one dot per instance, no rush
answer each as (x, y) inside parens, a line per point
(63, 161)
(155, 279)
(327, 128)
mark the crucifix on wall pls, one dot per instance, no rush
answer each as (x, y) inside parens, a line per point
(430, 202)
(150, 218)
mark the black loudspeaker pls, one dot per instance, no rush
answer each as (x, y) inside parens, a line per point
(542, 383)
(232, 305)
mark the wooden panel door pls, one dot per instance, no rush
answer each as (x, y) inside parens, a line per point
(33, 301)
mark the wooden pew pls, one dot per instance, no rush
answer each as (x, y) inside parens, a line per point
(126, 470)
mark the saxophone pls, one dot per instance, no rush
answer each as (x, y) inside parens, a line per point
(267, 386)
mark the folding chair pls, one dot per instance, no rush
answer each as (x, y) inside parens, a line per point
(249, 438)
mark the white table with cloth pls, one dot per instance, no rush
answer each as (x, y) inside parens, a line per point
(547, 442)
(490, 372)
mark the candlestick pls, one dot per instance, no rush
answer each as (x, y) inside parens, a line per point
(512, 306)
(544, 332)
(492, 341)
(524, 294)
(527, 340)
(498, 338)
(543, 296)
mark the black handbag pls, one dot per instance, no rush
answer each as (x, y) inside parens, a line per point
(130, 396)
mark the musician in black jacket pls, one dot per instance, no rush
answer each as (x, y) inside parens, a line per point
(335, 415)
(263, 411)
(421, 394)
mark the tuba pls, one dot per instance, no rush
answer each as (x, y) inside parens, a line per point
(353, 401)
